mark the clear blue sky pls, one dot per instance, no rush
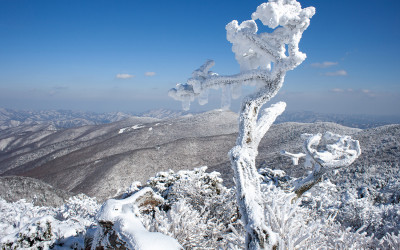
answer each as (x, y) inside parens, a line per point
(125, 55)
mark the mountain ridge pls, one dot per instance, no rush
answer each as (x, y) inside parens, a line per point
(102, 160)
(61, 119)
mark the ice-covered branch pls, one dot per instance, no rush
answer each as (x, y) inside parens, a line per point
(264, 59)
(254, 50)
(267, 118)
(202, 80)
(341, 151)
(295, 157)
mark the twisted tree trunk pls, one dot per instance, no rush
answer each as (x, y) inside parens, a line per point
(263, 59)
(243, 160)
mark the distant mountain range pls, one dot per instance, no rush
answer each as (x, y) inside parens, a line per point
(353, 121)
(58, 118)
(103, 160)
(61, 119)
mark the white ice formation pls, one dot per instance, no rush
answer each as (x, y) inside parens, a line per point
(295, 157)
(124, 217)
(264, 59)
(341, 151)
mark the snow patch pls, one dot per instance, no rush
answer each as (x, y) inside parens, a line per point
(122, 130)
(138, 126)
(134, 127)
(5, 142)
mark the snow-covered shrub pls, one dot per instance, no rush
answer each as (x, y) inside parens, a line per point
(80, 207)
(203, 191)
(352, 210)
(284, 222)
(324, 217)
(380, 183)
(336, 218)
(391, 241)
(182, 222)
(167, 183)
(14, 216)
(322, 200)
(195, 201)
(374, 219)
(333, 236)
(199, 212)
(120, 226)
(24, 225)
(46, 232)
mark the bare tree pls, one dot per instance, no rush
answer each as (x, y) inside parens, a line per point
(264, 60)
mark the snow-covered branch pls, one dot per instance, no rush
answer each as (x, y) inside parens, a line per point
(341, 151)
(264, 59)
(202, 80)
(267, 119)
(295, 157)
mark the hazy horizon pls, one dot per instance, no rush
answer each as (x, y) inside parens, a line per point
(104, 56)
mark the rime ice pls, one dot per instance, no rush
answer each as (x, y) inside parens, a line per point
(264, 59)
(124, 216)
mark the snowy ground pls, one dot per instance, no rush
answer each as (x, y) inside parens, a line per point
(198, 211)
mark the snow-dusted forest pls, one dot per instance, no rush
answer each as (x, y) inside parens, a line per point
(196, 209)
(265, 209)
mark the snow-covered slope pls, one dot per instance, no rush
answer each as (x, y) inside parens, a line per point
(103, 160)
(15, 188)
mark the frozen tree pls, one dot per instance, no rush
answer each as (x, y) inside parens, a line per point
(339, 151)
(264, 60)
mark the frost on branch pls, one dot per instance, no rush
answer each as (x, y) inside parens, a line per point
(339, 151)
(295, 157)
(342, 152)
(264, 59)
